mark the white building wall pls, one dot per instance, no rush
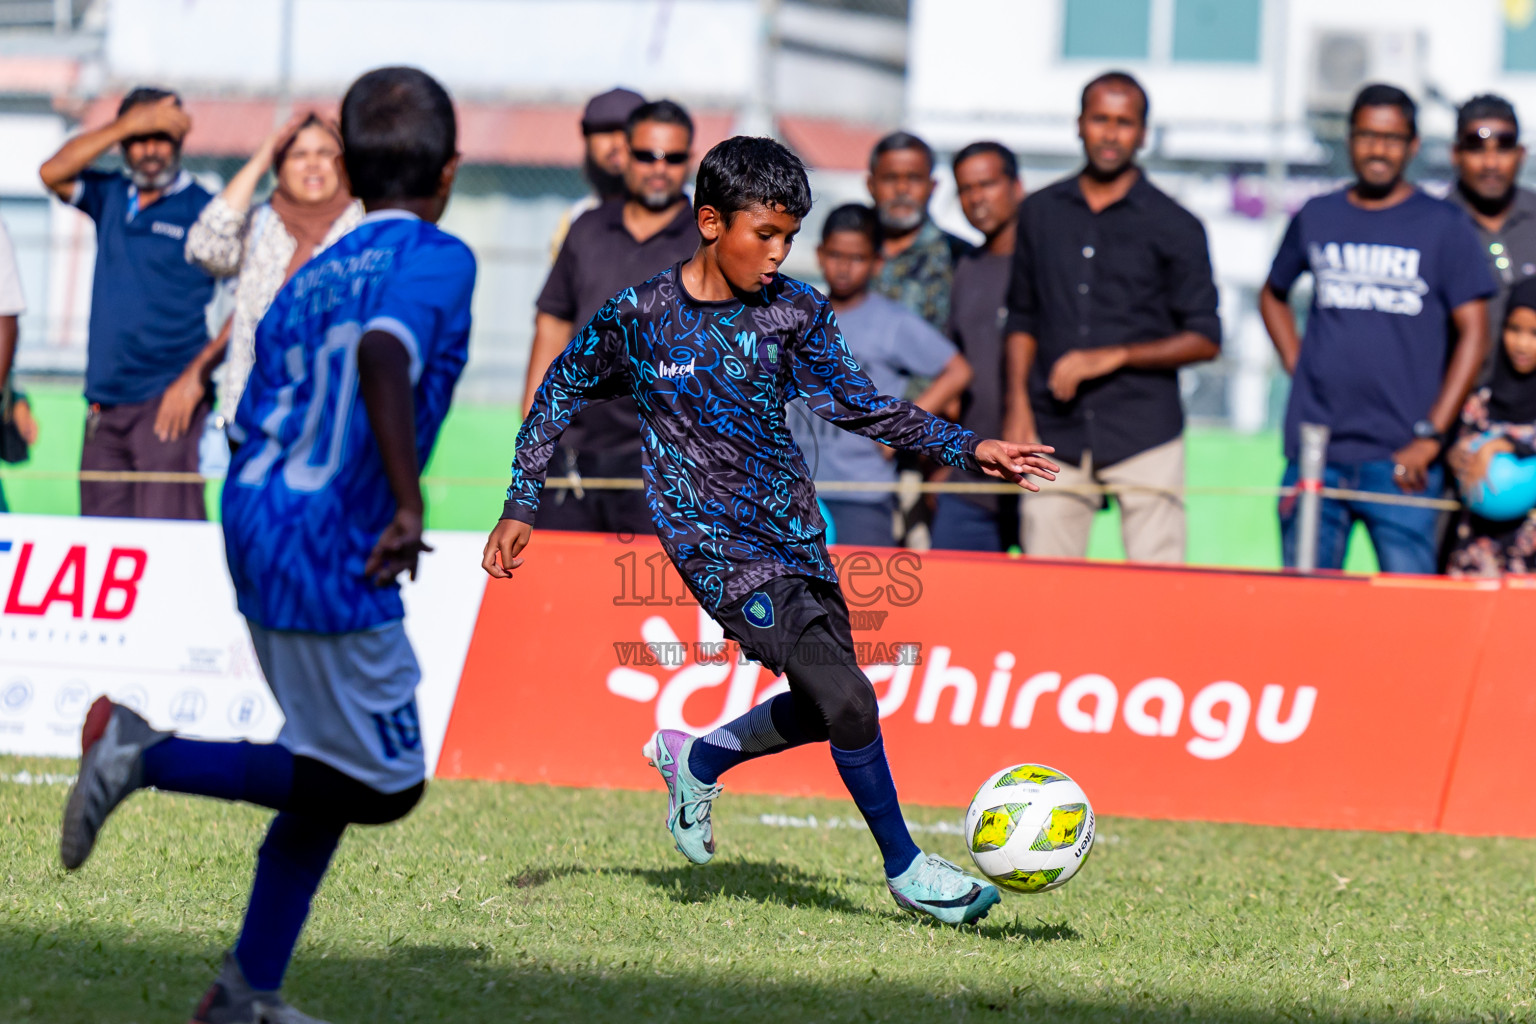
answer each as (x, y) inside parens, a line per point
(998, 64)
(697, 48)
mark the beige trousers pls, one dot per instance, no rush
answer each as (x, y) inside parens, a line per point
(1057, 522)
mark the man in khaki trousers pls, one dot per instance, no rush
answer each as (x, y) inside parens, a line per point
(1111, 293)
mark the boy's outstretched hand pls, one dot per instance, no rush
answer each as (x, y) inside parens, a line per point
(397, 550)
(1011, 462)
(505, 543)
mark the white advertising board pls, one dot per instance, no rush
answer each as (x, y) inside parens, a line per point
(143, 611)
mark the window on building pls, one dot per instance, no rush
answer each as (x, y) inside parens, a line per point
(1520, 37)
(1110, 29)
(1217, 30)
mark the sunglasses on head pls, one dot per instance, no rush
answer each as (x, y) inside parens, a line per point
(1503, 141)
(656, 156)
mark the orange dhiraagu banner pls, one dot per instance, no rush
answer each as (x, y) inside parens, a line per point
(1492, 789)
(1168, 693)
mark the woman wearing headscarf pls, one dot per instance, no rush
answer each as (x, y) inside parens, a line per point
(1494, 457)
(310, 208)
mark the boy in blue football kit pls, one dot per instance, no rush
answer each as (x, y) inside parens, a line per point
(356, 363)
(712, 349)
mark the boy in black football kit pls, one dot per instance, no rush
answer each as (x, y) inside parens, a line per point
(712, 350)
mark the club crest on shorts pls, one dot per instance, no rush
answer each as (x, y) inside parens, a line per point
(759, 610)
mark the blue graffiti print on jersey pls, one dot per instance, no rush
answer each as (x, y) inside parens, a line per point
(306, 498)
(730, 494)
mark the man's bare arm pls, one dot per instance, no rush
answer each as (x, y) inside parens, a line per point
(60, 171)
(1018, 417)
(1467, 358)
(944, 389)
(550, 336)
(1280, 321)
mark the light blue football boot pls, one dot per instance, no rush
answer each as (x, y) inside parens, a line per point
(934, 886)
(688, 799)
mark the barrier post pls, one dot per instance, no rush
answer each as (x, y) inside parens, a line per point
(1309, 493)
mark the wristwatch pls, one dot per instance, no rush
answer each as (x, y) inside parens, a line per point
(1424, 430)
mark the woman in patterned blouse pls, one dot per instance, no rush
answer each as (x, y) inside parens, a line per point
(310, 209)
(1499, 419)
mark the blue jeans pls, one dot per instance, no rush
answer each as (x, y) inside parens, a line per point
(1404, 537)
(865, 524)
(960, 524)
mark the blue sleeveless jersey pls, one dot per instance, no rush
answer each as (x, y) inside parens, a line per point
(306, 497)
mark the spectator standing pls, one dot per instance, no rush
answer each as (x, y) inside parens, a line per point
(14, 408)
(987, 177)
(892, 345)
(1395, 337)
(1488, 157)
(605, 155)
(1111, 293)
(310, 209)
(616, 246)
(148, 356)
(918, 258)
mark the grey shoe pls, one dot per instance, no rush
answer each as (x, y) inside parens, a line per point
(112, 745)
(231, 1000)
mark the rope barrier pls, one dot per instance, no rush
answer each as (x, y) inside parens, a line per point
(830, 486)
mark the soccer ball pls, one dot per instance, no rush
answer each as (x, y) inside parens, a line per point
(1029, 828)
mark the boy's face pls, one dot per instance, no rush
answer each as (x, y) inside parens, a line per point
(750, 248)
(848, 261)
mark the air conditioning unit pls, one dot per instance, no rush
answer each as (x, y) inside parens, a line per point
(1343, 60)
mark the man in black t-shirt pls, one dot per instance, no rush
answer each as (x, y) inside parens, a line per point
(987, 178)
(622, 243)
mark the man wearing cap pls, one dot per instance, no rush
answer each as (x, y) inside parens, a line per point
(621, 243)
(606, 156)
(148, 324)
(1488, 157)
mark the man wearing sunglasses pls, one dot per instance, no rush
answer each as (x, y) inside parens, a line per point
(1488, 157)
(1395, 338)
(148, 351)
(622, 243)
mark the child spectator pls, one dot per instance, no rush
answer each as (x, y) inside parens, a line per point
(1495, 457)
(892, 344)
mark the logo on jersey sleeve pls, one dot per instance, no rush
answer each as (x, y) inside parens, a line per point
(759, 610)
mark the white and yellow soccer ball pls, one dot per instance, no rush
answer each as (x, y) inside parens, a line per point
(1029, 828)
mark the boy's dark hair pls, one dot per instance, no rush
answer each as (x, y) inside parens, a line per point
(857, 218)
(1379, 95)
(897, 141)
(746, 171)
(1486, 107)
(1003, 153)
(144, 94)
(1119, 80)
(659, 112)
(398, 132)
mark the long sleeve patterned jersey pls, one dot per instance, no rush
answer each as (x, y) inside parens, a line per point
(730, 493)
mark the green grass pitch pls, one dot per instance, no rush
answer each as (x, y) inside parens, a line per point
(507, 903)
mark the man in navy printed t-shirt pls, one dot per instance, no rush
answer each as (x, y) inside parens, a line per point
(148, 357)
(1394, 341)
